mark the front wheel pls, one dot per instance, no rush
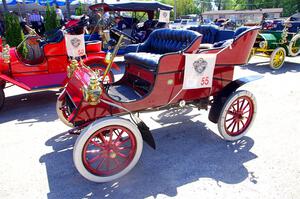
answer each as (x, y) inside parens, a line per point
(294, 46)
(277, 58)
(63, 111)
(2, 98)
(107, 149)
(237, 115)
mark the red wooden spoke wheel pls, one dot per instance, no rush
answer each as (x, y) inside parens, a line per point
(237, 115)
(63, 111)
(107, 149)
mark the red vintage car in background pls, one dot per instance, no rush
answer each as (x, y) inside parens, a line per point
(155, 79)
(45, 65)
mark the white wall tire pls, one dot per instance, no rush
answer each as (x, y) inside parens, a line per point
(90, 140)
(277, 58)
(60, 111)
(294, 46)
(237, 115)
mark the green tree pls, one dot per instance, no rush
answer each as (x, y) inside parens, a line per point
(79, 10)
(183, 7)
(13, 32)
(51, 21)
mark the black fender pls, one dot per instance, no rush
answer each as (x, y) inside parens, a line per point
(222, 96)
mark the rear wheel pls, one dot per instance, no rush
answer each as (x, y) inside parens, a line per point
(2, 84)
(237, 115)
(63, 111)
(107, 149)
(277, 58)
(2, 98)
(294, 46)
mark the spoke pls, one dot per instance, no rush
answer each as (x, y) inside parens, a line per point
(229, 119)
(95, 158)
(242, 123)
(233, 107)
(117, 162)
(242, 104)
(246, 112)
(233, 126)
(124, 148)
(121, 154)
(238, 125)
(238, 104)
(111, 132)
(230, 124)
(231, 112)
(102, 138)
(246, 106)
(100, 164)
(119, 136)
(119, 144)
(87, 113)
(97, 144)
(107, 164)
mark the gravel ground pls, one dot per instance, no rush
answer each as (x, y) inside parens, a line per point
(191, 160)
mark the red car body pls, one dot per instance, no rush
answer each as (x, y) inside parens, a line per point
(171, 67)
(47, 71)
(110, 146)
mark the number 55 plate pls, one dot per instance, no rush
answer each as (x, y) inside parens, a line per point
(198, 71)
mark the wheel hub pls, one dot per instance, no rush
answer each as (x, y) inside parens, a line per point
(112, 154)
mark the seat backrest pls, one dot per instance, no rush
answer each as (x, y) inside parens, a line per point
(224, 35)
(163, 41)
(240, 30)
(209, 32)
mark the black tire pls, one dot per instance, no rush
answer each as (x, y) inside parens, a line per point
(2, 98)
(2, 84)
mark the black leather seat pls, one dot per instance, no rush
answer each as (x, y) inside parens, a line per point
(160, 42)
(216, 37)
(146, 60)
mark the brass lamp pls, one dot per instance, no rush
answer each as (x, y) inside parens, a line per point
(92, 93)
(5, 54)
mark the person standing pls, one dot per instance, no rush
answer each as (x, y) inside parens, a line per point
(60, 15)
(36, 21)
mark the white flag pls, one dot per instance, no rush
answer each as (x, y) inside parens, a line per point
(75, 45)
(164, 16)
(199, 71)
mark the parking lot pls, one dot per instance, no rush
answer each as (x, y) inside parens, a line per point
(191, 159)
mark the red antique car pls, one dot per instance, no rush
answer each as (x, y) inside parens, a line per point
(157, 77)
(45, 65)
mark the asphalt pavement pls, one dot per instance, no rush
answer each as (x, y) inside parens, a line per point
(191, 159)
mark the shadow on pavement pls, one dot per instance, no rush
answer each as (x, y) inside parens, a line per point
(185, 153)
(36, 107)
(264, 68)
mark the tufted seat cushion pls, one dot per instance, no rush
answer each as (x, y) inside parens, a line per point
(159, 42)
(146, 60)
(209, 32)
(214, 37)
